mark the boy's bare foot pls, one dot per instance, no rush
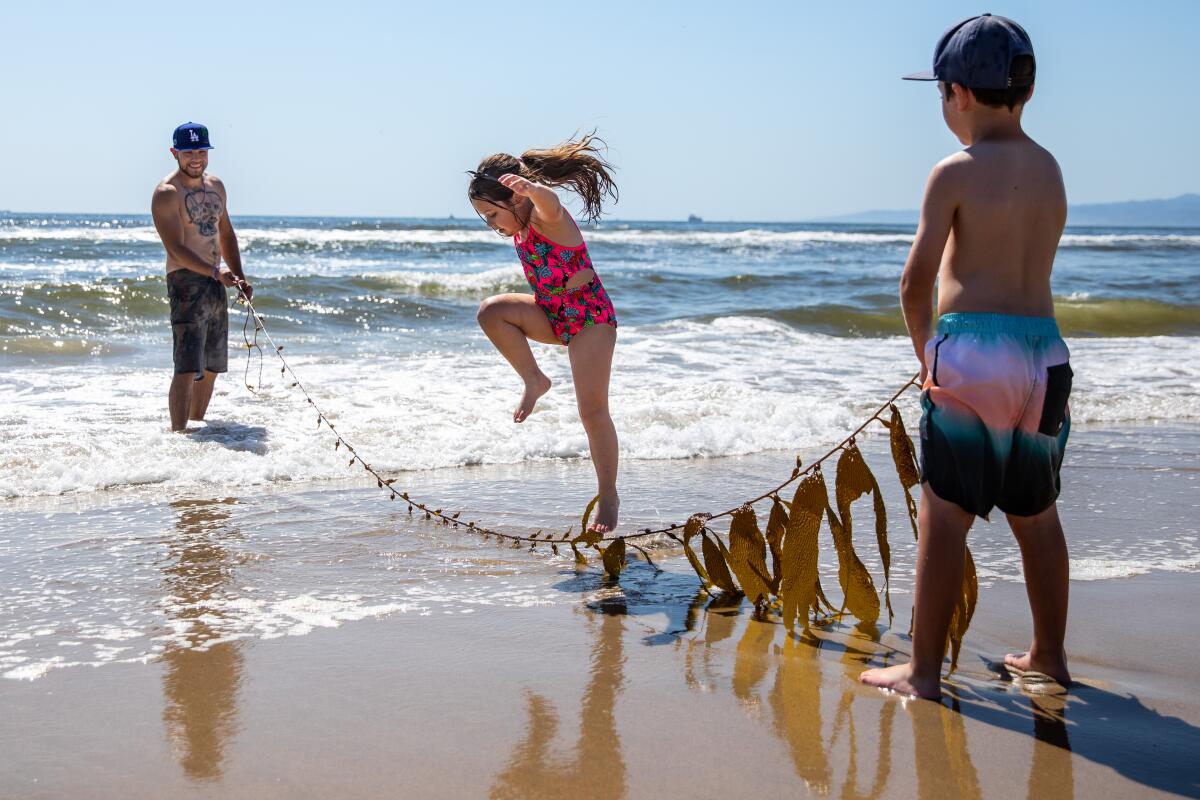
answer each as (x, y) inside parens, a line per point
(534, 389)
(900, 679)
(1024, 662)
(605, 520)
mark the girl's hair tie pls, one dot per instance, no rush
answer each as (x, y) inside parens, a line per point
(482, 175)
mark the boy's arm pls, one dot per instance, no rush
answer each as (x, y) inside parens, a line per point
(164, 209)
(925, 258)
(546, 204)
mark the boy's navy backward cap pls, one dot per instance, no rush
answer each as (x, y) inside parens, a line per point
(977, 53)
(191, 136)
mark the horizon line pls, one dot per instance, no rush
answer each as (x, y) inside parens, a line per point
(839, 220)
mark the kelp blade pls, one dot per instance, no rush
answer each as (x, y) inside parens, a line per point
(587, 513)
(696, 565)
(747, 554)
(613, 557)
(885, 552)
(854, 479)
(858, 590)
(776, 527)
(798, 588)
(964, 608)
(905, 459)
(587, 539)
(691, 529)
(714, 564)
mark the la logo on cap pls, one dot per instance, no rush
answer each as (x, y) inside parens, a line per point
(191, 136)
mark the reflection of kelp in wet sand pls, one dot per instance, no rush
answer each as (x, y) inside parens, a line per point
(1109, 729)
(598, 769)
(853, 660)
(943, 758)
(795, 701)
(201, 681)
(796, 707)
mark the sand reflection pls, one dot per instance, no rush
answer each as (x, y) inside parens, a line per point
(202, 674)
(944, 766)
(795, 701)
(539, 767)
(1052, 772)
(838, 735)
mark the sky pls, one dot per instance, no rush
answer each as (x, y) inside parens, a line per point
(732, 111)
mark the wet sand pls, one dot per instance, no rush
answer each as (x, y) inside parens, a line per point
(633, 694)
(551, 683)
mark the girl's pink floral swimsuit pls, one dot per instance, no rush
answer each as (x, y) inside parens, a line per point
(548, 268)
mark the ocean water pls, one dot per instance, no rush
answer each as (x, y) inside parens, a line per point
(740, 345)
(735, 339)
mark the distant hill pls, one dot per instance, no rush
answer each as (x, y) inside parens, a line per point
(1175, 212)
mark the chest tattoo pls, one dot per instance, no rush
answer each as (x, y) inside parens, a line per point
(203, 210)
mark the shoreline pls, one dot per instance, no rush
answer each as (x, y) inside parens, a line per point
(633, 691)
(314, 640)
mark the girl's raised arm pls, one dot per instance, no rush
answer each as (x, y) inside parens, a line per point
(546, 205)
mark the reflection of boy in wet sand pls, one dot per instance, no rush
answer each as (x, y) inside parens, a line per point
(996, 377)
(192, 220)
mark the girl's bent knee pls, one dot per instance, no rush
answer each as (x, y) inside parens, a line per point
(488, 312)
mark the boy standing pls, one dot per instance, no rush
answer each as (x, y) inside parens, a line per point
(995, 374)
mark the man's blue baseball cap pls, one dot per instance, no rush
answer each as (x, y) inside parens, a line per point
(191, 136)
(978, 53)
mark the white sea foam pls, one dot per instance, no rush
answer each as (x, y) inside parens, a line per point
(750, 237)
(265, 236)
(140, 576)
(153, 580)
(1124, 240)
(611, 232)
(498, 279)
(733, 386)
(1100, 569)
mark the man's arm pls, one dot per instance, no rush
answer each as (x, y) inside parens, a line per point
(165, 210)
(229, 245)
(925, 258)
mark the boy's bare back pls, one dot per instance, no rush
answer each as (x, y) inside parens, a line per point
(996, 376)
(1009, 210)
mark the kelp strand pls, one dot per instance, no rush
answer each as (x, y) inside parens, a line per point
(747, 553)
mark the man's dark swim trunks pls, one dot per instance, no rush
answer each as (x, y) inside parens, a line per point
(996, 420)
(199, 322)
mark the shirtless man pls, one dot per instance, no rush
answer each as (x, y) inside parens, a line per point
(192, 220)
(996, 377)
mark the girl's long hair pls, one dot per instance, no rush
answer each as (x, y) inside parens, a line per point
(576, 164)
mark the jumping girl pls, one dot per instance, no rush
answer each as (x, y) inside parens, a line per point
(569, 306)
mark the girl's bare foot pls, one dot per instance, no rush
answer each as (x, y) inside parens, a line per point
(1025, 662)
(605, 520)
(900, 679)
(534, 389)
